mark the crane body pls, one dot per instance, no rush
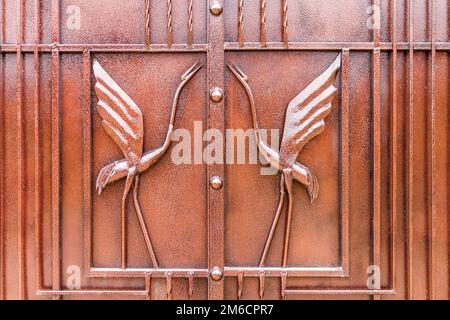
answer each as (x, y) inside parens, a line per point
(304, 121)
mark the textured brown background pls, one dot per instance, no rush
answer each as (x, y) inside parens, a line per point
(382, 162)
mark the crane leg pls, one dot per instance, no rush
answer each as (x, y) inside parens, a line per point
(274, 223)
(148, 242)
(288, 182)
(123, 235)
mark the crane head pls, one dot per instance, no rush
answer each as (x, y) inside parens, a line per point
(104, 176)
(238, 72)
(191, 71)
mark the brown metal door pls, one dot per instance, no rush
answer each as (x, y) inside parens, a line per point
(352, 95)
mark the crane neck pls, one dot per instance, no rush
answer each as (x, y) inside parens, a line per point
(151, 156)
(173, 113)
(253, 109)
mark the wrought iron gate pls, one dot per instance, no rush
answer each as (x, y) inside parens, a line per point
(75, 74)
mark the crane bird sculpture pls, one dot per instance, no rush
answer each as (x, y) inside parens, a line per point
(304, 121)
(123, 121)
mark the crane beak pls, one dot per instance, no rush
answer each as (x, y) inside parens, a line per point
(192, 70)
(237, 72)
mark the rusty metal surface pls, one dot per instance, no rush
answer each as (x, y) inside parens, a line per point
(123, 121)
(381, 161)
(304, 121)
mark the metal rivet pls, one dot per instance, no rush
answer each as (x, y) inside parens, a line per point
(216, 8)
(216, 183)
(216, 95)
(216, 274)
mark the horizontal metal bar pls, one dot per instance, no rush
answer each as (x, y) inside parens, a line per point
(9, 48)
(291, 272)
(338, 292)
(229, 46)
(140, 273)
(229, 272)
(44, 292)
(49, 292)
(332, 46)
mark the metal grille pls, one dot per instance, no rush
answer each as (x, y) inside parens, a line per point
(216, 48)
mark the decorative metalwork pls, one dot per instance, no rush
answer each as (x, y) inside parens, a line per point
(191, 285)
(216, 8)
(241, 23)
(284, 22)
(190, 23)
(262, 22)
(123, 121)
(148, 286)
(240, 284)
(169, 276)
(283, 284)
(216, 273)
(147, 23)
(304, 121)
(46, 155)
(262, 279)
(169, 23)
(216, 95)
(216, 183)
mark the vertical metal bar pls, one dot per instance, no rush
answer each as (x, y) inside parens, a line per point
(284, 23)
(433, 218)
(241, 23)
(87, 174)
(262, 280)
(148, 286)
(55, 21)
(56, 132)
(2, 170)
(55, 171)
(240, 284)
(20, 154)
(190, 23)
(410, 152)
(394, 189)
(345, 85)
(169, 23)
(37, 145)
(147, 24)
(123, 240)
(2, 154)
(287, 233)
(169, 285)
(376, 85)
(216, 119)
(191, 285)
(262, 21)
(3, 23)
(283, 284)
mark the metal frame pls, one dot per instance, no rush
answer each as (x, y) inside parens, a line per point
(215, 50)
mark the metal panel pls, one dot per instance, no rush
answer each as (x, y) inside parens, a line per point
(381, 160)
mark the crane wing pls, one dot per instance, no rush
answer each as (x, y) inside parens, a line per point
(122, 118)
(306, 113)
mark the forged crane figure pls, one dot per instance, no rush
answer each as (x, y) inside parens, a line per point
(304, 121)
(123, 121)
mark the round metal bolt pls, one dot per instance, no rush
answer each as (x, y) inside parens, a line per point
(216, 95)
(216, 183)
(216, 274)
(216, 8)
